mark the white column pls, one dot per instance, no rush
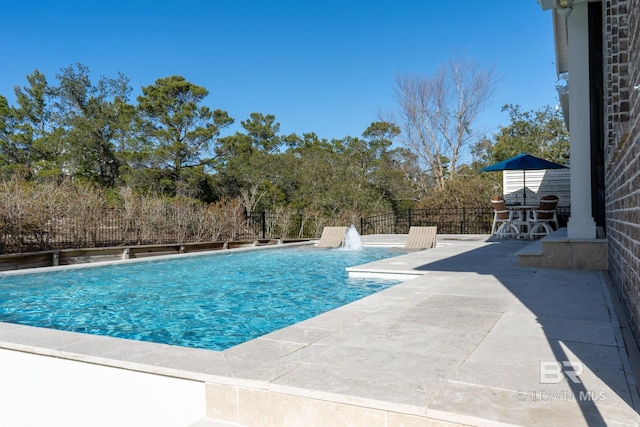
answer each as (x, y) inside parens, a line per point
(581, 224)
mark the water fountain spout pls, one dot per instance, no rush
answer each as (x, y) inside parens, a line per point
(352, 240)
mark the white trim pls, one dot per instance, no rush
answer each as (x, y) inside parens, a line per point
(581, 224)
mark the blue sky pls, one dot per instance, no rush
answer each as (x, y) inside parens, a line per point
(323, 66)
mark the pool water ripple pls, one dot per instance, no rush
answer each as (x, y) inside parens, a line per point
(207, 301)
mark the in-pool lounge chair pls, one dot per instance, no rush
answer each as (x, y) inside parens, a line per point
(421, 238)
(332, 237)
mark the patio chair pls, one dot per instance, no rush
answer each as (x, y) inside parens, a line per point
(542, 217)
(506, 223)
(420, 238)
(332, 237)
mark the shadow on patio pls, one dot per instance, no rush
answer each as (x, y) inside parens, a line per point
(556, 349)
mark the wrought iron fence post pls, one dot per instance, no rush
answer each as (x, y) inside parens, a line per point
(464, 221)
(264, 224)
(300, 231)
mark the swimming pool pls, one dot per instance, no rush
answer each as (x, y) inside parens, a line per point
(212, 301)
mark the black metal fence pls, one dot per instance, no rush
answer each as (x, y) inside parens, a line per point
(114, 228)
(103, 229)
(267, 225)
(464, 220)
(448, 221)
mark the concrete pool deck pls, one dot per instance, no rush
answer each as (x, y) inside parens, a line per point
(470, 339)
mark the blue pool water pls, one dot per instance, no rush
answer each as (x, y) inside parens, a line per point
(208, 301)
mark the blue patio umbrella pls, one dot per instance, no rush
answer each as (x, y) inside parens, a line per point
(523, 162)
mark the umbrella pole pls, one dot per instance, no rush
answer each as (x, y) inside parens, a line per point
(524, 187)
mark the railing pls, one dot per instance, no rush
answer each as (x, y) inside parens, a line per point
(268, 225)
(449, 221)
(113, 228)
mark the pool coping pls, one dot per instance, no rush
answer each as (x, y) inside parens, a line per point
(258, 366)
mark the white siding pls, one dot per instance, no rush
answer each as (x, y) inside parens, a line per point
(539, 183)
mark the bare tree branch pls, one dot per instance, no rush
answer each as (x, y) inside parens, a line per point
(437, 113)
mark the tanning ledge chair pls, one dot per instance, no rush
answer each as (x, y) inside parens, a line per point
(506, 223)
(542, 217)
(420, 238)
(332, 237)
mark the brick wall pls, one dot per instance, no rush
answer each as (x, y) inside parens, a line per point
(622, 150)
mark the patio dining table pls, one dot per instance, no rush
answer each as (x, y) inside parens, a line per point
(522, 219)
